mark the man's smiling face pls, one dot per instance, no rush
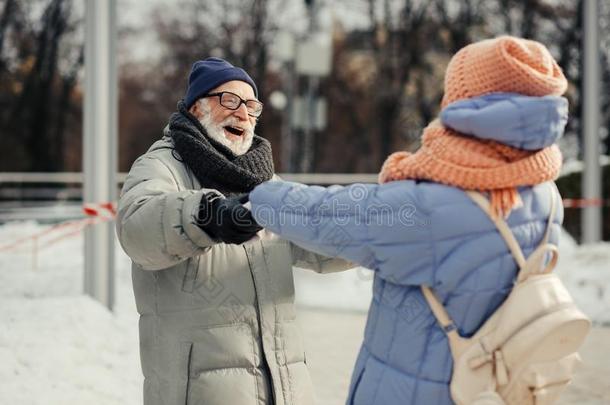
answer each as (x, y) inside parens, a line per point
(232, 128)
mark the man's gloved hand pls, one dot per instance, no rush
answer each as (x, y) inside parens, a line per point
(226, 219)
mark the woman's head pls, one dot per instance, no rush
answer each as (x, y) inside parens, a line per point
(505, 64)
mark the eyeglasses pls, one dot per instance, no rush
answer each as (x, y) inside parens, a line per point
(232, 101)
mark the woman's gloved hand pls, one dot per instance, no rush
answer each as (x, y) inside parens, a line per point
(226, 219)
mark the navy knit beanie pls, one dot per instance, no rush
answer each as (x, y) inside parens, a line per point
(210, 73)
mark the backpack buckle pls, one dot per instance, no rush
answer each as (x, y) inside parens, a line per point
(499, 365)
(500, 368)
(449, 327)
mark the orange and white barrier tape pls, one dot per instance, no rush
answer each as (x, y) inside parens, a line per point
(105, 210)
(585, 202)
(95, 214)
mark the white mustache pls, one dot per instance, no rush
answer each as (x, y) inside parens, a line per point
(234, 122)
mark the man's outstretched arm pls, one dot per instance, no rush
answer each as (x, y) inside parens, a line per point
(156, 223)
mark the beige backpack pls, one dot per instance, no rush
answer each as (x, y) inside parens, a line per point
(526, 352)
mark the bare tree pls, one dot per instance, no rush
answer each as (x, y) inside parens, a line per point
(239, 31)
(399, 53)
(32, 116)
(7, 14)
(460, 21)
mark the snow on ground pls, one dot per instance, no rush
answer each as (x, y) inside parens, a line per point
(585, 270)
(58, 346)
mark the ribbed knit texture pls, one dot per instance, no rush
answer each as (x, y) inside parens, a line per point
(504, 64)
(450, 158)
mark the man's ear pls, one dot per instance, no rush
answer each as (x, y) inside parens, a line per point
(195, 110)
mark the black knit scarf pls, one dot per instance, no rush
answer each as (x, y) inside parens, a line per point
(215, 165)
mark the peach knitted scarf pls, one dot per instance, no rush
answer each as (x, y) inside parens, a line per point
(472, 164)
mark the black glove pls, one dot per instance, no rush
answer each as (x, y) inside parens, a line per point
(226, 219)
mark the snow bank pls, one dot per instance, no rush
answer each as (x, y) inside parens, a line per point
(67, 350)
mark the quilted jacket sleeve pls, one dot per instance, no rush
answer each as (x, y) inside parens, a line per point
(363, 223)
(156, 223)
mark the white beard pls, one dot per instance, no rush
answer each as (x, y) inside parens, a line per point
(217, 132)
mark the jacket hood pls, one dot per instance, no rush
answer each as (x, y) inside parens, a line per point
(515, 120)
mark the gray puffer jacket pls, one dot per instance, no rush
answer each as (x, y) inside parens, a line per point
(217, 321)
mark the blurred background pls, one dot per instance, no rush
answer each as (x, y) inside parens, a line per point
(344, 83)
(362, 77)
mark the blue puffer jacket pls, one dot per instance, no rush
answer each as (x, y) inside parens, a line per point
(410, 233)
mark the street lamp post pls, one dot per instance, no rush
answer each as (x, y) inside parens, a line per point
(313, 61)
(591, 178)
(100, 144)
(285, 51)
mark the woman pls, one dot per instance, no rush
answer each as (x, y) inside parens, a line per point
(501, 114)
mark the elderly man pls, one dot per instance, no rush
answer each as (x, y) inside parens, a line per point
(215, 292)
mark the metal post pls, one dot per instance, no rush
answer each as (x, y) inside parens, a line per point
(100, 144)
(591, 179)
(309, 111)
(309, 107)
(287, 131)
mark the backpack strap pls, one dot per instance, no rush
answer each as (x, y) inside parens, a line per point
(554, 193)
(526, 266)
(540, 255)
(501, 225)
(456, 342)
